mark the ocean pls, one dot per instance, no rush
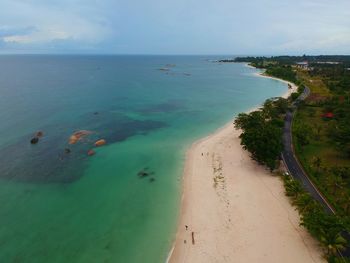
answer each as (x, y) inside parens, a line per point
(57, 203)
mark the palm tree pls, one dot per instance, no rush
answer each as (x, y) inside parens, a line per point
(344, 201)
(316, 162)
(305, 203)
(318, 129)
(333, 242)
(335, 182)
(293, 188)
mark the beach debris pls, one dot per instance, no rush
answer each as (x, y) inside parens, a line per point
(78, 135)
(67, 150)
(192, 238)
(100, 142)
(39, 134)
(152, 179)
(90, 152)
(34, 140)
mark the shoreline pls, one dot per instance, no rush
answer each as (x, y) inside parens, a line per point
(216, 187)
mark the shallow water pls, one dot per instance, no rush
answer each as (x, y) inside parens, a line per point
(70, 207)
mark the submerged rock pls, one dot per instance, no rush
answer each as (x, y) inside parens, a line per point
(143, 174)
(67, 150)
(34, 140)
(91, 152)
(152, 179)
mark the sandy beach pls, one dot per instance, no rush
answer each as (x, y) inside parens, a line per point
(234, 210)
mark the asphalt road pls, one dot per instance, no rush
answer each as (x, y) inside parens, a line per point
(296, 170)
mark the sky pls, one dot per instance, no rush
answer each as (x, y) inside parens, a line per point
(244, 27)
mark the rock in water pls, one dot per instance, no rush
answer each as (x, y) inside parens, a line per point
(39, 134)
(75, 137)
(100, 142)
(34, 140)
(90, 152)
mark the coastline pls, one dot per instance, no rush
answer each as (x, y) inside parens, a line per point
(234, 209)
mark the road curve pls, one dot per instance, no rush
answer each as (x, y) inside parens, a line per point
(295, 169)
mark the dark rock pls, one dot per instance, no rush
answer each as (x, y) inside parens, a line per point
(34, 140)
(143, 174)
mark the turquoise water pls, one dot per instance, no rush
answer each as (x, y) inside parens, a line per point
(70, 207)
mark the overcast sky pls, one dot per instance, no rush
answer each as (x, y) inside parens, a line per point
(175, 27)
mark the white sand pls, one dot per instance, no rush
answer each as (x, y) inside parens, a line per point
(244, 218)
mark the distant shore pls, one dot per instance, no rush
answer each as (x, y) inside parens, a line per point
(234, 210)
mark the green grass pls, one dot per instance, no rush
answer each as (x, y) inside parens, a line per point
(320, 146)
(315, 84)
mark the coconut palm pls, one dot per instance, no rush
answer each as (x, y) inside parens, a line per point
(335, 182)
(318, 129)
(293, 188)
(333, 242)
(305, 203)
(316, 162)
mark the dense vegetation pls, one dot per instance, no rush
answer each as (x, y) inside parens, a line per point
(262, 131)
(291, 60)
(326, 228)
(282, 72)
(321, 138)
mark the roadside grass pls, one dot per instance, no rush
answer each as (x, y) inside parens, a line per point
(321, 145)
(315, 84)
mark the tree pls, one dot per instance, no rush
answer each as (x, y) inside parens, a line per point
(273, 108)
(327, 228)
(318, 129)
(333, 242)
(293, 188)
(316, 162)
(302, 134)
(261, 136)
(305, 203)
(335, 182)
(294, 96)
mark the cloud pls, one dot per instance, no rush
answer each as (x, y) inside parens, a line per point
(175, 27)
(34, 24)
(6, 31)
(35, 36)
